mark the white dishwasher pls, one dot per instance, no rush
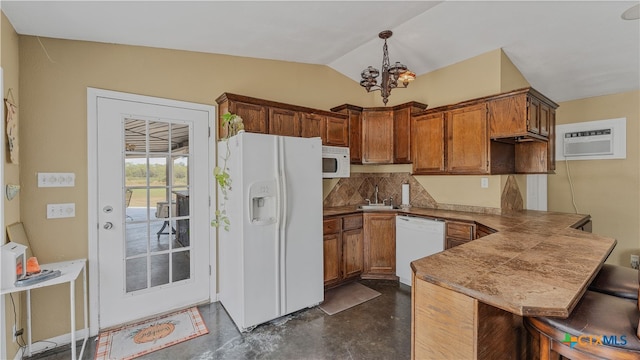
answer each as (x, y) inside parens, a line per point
(416, 238)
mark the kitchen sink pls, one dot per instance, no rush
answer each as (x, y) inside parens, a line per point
(378, 207)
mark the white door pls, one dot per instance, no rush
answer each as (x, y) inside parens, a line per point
(153, 208)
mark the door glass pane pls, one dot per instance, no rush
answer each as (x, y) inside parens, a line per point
(136, 274)
(180, 171)
(181, 265)
(179, 139)
(156, 193)
(158, 138)
(159, 269)
(158, 171)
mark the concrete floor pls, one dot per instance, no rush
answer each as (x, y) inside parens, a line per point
(377, 329)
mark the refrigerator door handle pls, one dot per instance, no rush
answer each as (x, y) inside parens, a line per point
(282, 225)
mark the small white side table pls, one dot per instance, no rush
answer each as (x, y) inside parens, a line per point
(70, 270)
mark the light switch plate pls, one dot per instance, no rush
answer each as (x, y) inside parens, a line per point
(57, 211)
(56, 179)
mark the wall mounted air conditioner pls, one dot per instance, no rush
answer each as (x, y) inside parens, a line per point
(591, 142)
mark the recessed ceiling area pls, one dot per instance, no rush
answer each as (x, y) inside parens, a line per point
(565, 49)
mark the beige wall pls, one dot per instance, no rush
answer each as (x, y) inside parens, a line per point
(54, 117)
(608, 190)
(10, 65)
(486, 74)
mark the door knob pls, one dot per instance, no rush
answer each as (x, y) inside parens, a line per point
(108, 225)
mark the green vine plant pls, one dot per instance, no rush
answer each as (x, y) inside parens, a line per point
(233, 123)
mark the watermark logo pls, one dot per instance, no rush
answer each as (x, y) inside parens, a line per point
(593, 340)
(569, 340)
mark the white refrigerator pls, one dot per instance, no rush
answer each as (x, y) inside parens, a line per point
(270, 260)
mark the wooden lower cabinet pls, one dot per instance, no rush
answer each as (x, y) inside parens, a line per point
(379, 246)
(343, 243)
(458, 233)
(449, 325)
(331, 248)
(352, 253)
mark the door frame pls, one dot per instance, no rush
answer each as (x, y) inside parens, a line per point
(92, 180)
(3, 322)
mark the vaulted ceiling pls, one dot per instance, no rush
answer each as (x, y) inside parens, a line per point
(566, 49)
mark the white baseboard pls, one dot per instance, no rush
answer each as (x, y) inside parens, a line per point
(52, 343)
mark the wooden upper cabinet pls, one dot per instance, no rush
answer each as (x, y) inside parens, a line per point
(284, 122)
(427, 143)
(544, 114)
(337, 131)
(467, 140)
(253, 116)
(402, 136)
(377, 137)
(354, 117)
(312, 125)
(355, 136)
(524, 113)
(270, 117)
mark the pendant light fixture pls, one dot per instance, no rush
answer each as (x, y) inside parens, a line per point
(391, 75)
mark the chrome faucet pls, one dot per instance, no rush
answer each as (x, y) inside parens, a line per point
(375, 196)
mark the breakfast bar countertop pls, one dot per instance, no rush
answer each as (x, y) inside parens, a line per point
(536, 264)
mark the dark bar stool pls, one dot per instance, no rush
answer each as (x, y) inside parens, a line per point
(617, 281)
(600, 327)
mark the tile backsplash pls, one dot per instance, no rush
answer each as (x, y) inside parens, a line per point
(360, 186)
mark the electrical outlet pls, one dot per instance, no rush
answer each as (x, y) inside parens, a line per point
(484, 182)
(635, 261)
(56, 211)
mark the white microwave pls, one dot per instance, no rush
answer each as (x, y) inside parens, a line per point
(336, 162)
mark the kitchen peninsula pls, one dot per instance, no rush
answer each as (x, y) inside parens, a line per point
(468, 301)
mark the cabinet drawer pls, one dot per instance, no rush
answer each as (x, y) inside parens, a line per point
(352, 222)
(460, 230)
(451, 242)
(482, 231)
(330, 226)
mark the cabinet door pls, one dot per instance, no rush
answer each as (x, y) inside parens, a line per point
(331, 247)
(352, 253)
(551, 144)
(355, 136)
(254, 117)
(533, 116)
(312, 125)
(468, 140)
(284, 122)
(427, 143)
(508, 116)
(544, 116)
(377, 137)
(337, 131)
(402, 136)
(380, 245)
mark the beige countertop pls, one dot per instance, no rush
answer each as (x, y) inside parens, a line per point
(536, 264)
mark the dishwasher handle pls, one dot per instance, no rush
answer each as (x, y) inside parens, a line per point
(411, 218)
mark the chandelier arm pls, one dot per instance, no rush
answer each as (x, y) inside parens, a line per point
(389, 74)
